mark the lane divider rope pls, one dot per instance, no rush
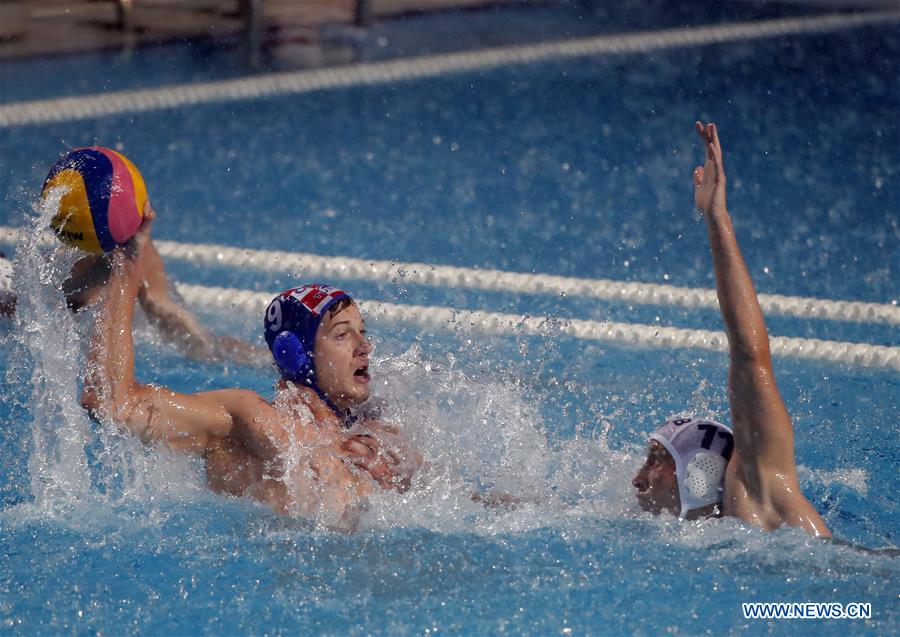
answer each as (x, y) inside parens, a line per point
(292, 83)
(480, 322)
(307, 266)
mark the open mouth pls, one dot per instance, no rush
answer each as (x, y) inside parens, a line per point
(648, 503)
(362, 373)
(644, 499)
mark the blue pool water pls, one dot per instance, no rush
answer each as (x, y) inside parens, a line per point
(574, 167)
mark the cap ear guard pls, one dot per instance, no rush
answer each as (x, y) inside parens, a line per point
(703, 476)
(290, 355)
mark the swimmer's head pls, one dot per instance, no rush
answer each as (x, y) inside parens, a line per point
(86, 279)
(685, 466)
(318, 338)
(82, 287)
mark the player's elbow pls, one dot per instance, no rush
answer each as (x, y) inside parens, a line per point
(103, 403)
(98, 403)
(90, 400)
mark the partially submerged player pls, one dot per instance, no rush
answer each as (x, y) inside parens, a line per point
(700, 468)
(296, 453)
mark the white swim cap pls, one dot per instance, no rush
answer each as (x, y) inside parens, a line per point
(701, 449)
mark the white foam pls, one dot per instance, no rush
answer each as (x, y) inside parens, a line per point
(485, 434)
(852, 477)
(47, 336)
(6, 274)
(475, 435)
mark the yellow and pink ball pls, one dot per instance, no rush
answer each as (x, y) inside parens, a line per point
(103, 199)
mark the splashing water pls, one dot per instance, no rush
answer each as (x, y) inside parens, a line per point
(47, 334)
(72, 464)
(478, 433)
(485, 437)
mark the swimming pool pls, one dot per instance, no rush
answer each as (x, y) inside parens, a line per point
(570, 166)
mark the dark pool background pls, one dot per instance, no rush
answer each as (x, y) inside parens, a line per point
(580, 168)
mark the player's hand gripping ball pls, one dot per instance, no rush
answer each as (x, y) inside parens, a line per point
(103, 199)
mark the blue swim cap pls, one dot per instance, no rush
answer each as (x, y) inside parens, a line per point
(291, 322)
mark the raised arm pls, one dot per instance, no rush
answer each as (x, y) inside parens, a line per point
(233, 428)
(155, 414)
(761, 480)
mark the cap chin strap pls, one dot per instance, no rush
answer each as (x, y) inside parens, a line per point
(345, 417)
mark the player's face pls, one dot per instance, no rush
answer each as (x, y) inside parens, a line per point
(655, 481)
(342, 358)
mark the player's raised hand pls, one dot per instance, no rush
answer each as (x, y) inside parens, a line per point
(709, 179)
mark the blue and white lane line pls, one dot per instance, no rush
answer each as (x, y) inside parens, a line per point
(436, 317)
(293, 83)
(305, 265)
(496, 323)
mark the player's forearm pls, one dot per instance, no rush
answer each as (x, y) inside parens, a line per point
(110, 369)
(744, 322)
(178, 325)
(173, 320)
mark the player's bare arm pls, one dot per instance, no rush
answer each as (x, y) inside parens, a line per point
(761, 485)
(153, 413)
(243, 437)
